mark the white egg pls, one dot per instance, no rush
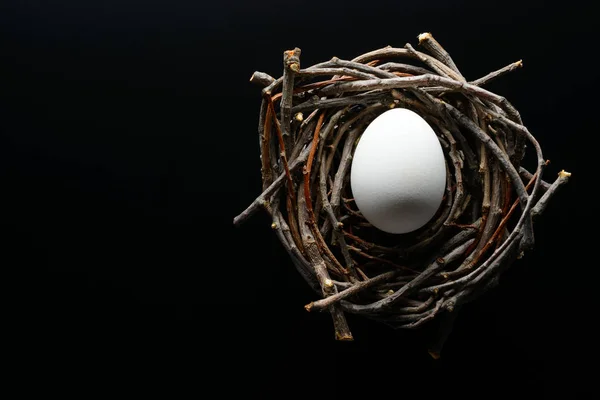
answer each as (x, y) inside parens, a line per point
(398, 172)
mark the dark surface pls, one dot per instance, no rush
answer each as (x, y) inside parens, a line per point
(128, 144)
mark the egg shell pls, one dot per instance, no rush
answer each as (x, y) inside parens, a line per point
(398, 172)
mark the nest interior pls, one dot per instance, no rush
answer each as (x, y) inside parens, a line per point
(310, 121)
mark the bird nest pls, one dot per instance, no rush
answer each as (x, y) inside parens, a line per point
(310, 121)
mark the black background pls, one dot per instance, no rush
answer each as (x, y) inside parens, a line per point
(128, 144)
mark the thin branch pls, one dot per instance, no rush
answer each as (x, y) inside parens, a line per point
(269, 191)
(563, 177)
(342, 331)
(352, 290)
(427, 41)
(493, 75)
(291, 66)
(439, 67)
(261, 78)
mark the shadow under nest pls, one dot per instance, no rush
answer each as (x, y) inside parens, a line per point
(310, 121)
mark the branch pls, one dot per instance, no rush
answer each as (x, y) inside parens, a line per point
(261, 78)
(438, 52)
(267, 193)
(493, 75)
(352, 290)
(563, 177)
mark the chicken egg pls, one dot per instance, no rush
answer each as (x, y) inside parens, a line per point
(398, 172)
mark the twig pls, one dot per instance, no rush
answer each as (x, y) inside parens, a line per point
(261, 78)
(493, 75)
(352, 290)
(526, 175)
(406, 68)
(447, 320)
(266, 194)
(437, 51)
(439, 68)
(563, 177)
(291, 66)
(342, 331)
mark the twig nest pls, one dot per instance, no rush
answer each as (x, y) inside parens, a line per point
(310, 123)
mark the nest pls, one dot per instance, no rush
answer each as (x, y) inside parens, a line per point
(310, 121)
